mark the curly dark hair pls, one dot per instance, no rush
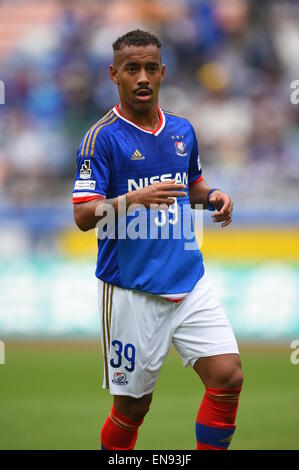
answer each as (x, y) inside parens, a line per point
(136, 38)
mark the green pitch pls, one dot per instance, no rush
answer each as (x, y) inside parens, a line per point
(51, 398)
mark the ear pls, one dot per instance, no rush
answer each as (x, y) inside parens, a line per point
(113, 74)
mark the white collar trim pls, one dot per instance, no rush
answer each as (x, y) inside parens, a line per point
(160, 129)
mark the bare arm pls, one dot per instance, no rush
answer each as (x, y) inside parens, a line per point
(155, 194)
(198, 193)
(84, 213)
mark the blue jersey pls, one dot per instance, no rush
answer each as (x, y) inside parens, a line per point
(146, 252)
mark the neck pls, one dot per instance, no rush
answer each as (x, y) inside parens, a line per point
(149, 119)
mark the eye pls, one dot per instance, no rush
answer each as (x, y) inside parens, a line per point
(153, 67)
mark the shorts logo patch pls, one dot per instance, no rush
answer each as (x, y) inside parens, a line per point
(119, 378)
(85, 171)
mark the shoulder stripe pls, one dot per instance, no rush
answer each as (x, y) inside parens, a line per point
(105, 119)
(97, 131)
(88, 134)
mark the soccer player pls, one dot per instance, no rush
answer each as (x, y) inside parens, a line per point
(153, 291)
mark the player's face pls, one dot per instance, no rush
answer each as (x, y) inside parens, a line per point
(138, 73)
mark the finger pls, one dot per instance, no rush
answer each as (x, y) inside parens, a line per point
(219, 216)
(163, 183)
(167, 194)
(223, 219)
(167, 181)
(163, 202)
(218, 221)
(222, 212)
(226, 208)
(175, 187)
(170, 185)
(226, 213)
(227, 222)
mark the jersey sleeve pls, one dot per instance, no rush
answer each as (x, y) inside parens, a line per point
(92, 173)
(194, 172)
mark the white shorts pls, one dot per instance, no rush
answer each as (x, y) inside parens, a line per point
(137, 330)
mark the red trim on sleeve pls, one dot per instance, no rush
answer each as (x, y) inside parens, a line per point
(77, 200)
(196, 181)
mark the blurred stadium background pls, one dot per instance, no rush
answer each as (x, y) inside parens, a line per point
(230, 65)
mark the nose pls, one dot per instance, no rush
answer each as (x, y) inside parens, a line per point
(142, 77)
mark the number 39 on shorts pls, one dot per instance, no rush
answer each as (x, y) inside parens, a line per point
(123, 354)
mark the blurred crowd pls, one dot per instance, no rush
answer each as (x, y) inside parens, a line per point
(229, 63)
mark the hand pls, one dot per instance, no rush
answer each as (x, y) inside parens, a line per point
(157, 193)
(224, 205)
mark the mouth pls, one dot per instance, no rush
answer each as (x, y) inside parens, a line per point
(143, 94)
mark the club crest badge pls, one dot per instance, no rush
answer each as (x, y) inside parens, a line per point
(85, 171)
(119, 378)
(180, 148)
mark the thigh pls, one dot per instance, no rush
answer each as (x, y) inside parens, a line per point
(203, 328)
(135, 339)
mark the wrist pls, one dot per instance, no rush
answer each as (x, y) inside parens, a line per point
(210, 206)
(131, 198)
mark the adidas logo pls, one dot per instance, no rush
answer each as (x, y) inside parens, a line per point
(137, 156)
